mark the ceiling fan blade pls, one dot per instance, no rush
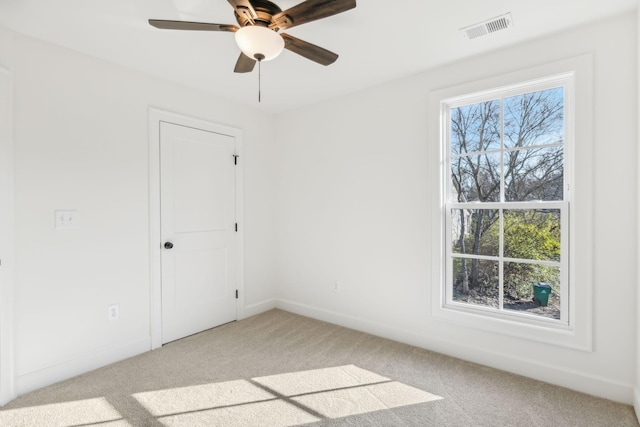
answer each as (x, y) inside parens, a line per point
(308, 50)
(244, 64)
(311, 10)
(194, 26)
(244, 8)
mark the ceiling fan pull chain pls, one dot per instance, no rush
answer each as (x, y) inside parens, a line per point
(259, 57)
(259, 80)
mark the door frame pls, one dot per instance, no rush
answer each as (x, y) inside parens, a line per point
(157, 116)
(7, 248)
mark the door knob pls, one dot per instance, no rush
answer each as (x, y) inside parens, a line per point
(168, 245)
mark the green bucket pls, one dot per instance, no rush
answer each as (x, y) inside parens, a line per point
(541, 292)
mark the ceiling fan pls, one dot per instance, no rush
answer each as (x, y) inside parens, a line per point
(259, 22)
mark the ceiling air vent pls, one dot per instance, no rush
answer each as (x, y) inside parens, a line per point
(499, 23)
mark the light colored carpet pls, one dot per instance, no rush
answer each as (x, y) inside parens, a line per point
(280, 369)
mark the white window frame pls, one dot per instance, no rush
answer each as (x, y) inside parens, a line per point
(574, 328)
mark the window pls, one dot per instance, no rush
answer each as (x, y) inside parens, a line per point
(507, 202)
(511, 183)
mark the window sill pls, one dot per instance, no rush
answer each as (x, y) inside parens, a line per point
(547, 331)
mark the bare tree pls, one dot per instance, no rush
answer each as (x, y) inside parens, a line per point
(517, 141)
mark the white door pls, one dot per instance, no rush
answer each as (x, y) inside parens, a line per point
(198, 226)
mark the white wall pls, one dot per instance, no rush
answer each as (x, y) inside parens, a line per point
(353, 206)
(81, 142)
(6, 222)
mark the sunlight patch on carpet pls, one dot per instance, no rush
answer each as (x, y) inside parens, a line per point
(273, 413)
(281, 400)
(344, 390)
(231, 403)
(200, 397)
(79, 412)
(364, 399)
(296, 383)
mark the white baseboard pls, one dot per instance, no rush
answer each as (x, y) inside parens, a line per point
(71, 368)
(579, 381)
(101, 357)
(261, 307)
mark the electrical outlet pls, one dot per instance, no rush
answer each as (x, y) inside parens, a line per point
(113, 312)
(66, 219)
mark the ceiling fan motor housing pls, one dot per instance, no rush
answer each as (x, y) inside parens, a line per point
(263, 16)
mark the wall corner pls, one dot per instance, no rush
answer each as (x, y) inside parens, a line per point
(636, 394)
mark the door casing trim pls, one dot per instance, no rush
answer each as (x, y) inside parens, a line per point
(156, 116)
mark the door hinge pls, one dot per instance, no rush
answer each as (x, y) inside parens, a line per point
(235, 159)
(236, 294)
(236, 227)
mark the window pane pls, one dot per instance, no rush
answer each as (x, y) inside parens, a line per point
(504, 155)
(475, 128)
(520, 294)
(534, 174)
(476, 281)
(532, 234)
(475, 231)
(534, 118)
(476, 178)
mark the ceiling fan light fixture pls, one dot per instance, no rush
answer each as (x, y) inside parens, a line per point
(259, 43)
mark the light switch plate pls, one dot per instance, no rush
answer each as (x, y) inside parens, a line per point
(66, 219)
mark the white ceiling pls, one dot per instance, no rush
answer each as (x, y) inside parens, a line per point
(377, 41)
